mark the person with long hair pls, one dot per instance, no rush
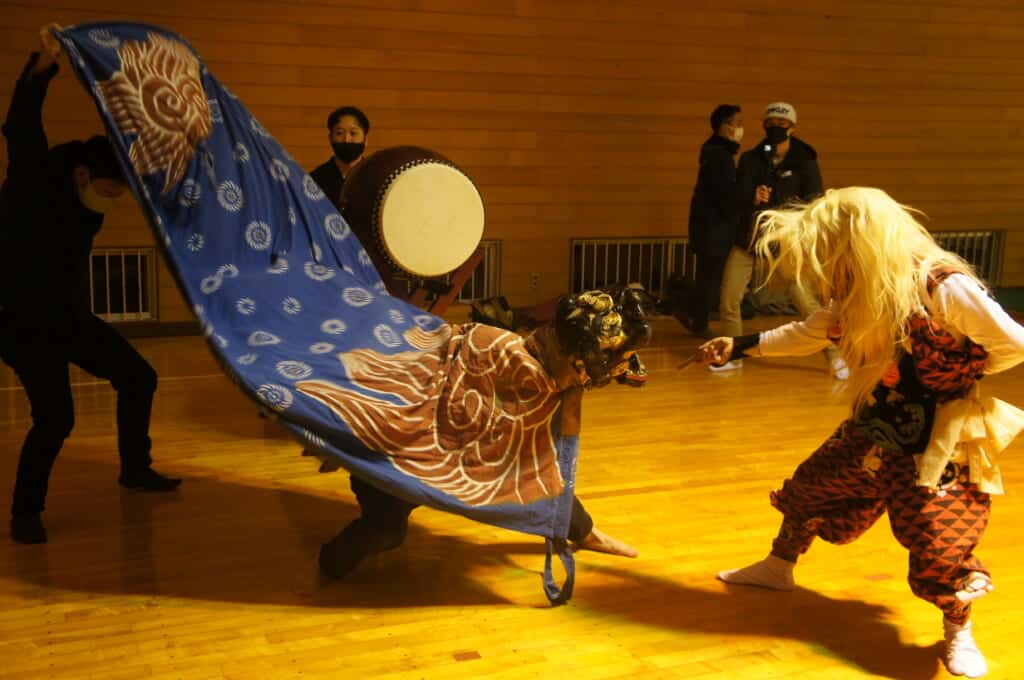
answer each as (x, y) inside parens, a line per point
(918, 331)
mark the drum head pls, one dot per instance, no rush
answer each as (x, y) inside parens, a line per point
(431, 219)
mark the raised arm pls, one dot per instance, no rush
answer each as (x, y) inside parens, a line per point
(23, 127)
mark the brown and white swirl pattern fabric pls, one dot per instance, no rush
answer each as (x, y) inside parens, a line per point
(158, 95)
(475, 418)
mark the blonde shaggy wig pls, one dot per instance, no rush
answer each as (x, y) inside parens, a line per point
(869, 256)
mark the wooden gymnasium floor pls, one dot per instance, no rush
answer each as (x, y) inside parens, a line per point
(220, 581)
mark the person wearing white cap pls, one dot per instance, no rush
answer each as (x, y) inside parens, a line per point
(780, 169)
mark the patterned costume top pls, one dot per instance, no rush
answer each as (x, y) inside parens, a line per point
(929, 403)
(936, 369)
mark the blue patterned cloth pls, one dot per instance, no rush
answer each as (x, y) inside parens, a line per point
(278, 280)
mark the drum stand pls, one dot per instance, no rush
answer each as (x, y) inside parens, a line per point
(445, 294)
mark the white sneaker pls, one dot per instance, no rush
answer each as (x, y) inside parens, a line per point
(727, 366)
(962, 655)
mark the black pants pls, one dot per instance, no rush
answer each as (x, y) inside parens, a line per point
(42, 366)
(707, 288)
(384, 515)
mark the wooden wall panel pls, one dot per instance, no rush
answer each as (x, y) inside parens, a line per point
(584, 117)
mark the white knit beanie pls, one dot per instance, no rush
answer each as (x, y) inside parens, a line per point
(780, 110)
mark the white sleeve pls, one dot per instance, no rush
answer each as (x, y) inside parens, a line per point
(797, 338)
(961, 305)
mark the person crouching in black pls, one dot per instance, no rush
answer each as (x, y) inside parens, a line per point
(51, 206)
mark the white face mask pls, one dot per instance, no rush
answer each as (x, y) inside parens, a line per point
(95, 201)
(737, 135)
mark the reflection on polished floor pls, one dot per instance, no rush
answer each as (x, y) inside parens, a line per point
(220, 580)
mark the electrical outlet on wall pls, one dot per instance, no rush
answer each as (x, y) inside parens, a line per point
(534, 279)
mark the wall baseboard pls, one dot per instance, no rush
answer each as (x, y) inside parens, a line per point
(1010, 298)
(157, 329)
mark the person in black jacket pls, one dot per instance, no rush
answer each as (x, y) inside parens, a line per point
(347, 130)
(713, 213)
(780, 169)
(51, 206)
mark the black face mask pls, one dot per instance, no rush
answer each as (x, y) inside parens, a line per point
(346, 152)
(776, 135)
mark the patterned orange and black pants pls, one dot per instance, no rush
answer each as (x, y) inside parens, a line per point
(842, 489)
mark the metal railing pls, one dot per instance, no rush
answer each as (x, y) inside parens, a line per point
(486, 279)
(122, 284)
(598, 263)
(982, 249)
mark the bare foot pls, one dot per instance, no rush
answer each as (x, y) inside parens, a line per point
(771, 572)
(598, 541)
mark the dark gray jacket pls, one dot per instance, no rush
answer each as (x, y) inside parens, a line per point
(713, 208)
(797, 177)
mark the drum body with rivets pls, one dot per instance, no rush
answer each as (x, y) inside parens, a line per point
(415, 211)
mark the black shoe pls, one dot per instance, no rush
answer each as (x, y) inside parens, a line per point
(356, 542)
(690, 325)
(684, 319)
(148, 480)
(28, 529)
(338, 560)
